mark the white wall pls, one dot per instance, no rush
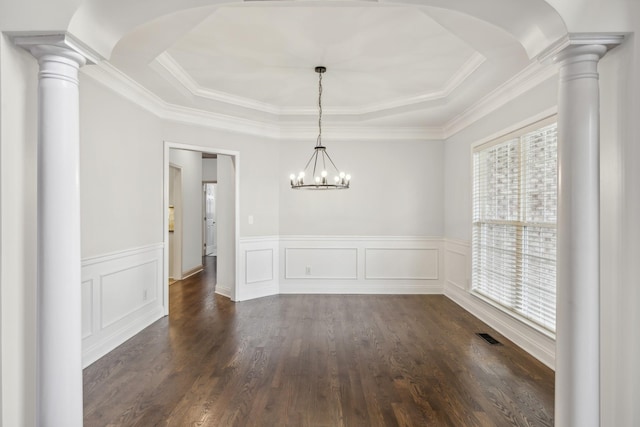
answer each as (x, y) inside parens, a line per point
(209, 169)
(191, 164)
(120, 172)
(121, 190)
(457, 152)
(18, 142)
(259, 176)
(396, 190)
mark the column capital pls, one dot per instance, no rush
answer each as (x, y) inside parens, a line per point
(60, 44)
(578, 44)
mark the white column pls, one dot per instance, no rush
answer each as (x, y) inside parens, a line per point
(59, 358)
(577, 393)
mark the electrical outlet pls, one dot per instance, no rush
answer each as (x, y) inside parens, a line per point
(307, 270)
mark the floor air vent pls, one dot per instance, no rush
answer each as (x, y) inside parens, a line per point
(488, 338)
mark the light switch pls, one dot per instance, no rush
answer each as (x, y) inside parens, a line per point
(250, 219)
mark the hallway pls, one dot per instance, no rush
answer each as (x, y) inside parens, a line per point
(315, 360)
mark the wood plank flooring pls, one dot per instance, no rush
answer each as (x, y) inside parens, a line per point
(315, 360)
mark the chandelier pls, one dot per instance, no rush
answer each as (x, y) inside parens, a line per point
(316, 170)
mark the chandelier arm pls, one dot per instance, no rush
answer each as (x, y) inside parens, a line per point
(315, 163)
(334, 165)
(309, 162)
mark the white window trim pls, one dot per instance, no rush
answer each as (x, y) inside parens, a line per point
(541, 120)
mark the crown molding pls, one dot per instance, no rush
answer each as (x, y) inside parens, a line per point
(120, 83)
(168, 67)
(359, 133)
(108, 75)
(534, 74)
(116, 80)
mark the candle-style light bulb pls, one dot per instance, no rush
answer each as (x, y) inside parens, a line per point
(317, 180)
(323, 174)
(342, 174)
(336, 179)
(292, 177)
(348, 177)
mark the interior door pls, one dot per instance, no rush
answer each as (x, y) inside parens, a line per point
(210, 246)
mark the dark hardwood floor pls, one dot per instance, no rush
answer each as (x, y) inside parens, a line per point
(314, 360)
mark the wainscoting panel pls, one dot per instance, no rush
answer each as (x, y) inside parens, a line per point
(321, 263)
(457, 263)
(398, 264)
(120, 297)
(259, 265)
(258, 270)
(360, 265)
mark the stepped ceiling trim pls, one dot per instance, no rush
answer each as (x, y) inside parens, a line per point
(114, 79)
(180, 79)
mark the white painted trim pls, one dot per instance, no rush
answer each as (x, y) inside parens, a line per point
(315, 248)
(610, 40)
(258, 239)
(530, 339)
(113, 340)
(436, 277)
(377, 288)
(246, 265)
(538, 345)
(28, 39)
(297, 238)
(167, 63)
(359, 284)
(192, 272)
(168, 145)
(114, 79)
(224, 291)
(527, 79)
(103, 336)
(120, 254)
(181, 79)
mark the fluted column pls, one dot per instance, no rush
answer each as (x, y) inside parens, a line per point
(578, 258)
(59, 341)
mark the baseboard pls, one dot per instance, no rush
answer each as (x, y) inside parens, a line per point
(533, 342)
(192, 271)
(117, 338)
(224, 291)
(326, 287)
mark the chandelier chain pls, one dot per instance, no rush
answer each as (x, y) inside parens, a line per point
(319, 141)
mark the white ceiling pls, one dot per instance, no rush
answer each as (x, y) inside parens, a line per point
(400, 66)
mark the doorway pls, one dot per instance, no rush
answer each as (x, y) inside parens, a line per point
(209, 231)
(225, 220)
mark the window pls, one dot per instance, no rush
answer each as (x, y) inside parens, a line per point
(514, 223)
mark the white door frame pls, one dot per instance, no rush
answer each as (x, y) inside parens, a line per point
(236, 160)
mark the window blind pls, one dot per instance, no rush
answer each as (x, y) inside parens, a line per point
(514, 223)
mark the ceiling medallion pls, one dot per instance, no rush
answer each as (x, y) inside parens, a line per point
(316, 167)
